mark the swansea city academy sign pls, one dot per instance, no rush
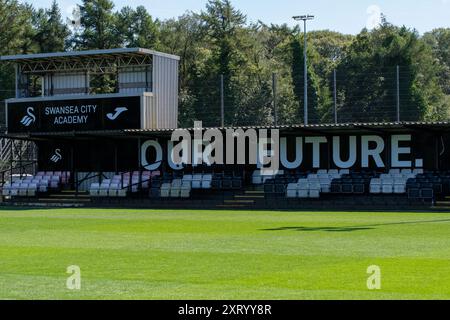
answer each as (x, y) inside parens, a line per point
(74, 115)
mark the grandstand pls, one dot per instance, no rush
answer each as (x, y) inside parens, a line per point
(113, 146)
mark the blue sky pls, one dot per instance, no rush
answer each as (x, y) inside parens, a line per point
(348, 16)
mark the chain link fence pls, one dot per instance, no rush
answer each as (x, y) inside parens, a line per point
(387, 96)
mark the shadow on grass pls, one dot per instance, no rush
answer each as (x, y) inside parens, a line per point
(352, 228)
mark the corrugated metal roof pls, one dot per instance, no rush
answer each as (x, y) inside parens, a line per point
(374, 125)
(86, 53)
(313, 127)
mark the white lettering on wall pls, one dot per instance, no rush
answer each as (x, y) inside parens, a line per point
(337, 153)
(316, 142)
(366, 152)
(298, 154)
(396, 151)
(159, 155)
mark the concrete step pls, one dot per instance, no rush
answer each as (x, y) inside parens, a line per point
(249, 197)
(239, 202)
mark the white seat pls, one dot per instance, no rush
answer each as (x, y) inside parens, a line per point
(315, 185)
(375, 186)
(418, 171)
(406, 172)
(333, 172)
(314, 193)
(165, 190)
(399, 188)
(113, 189)
(23, 189)
(185, 191)
(387, 186)
(303, 193)
(43, 186)
(325, 185)
(93, 191)
(122, 193)
(6, 189)
(207, 181)
(313, 176)
(344, 171)
(177, 183)
(257, 177)
(175, 192)
(14, 191)
(292, 190)
(104, 188)
(32, 190)
(197, 181)
(394, 171)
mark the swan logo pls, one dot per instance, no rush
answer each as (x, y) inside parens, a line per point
(56, 157)
(116, 114)
(29, 119)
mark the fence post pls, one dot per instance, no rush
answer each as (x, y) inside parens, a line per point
(335, 96)
(398, 93)
(275, 107)
(222, 102)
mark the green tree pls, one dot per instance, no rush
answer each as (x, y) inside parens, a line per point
(97, 26)
(224, 28)
(439, 41)
(51, 31)
(367, 77)
(136, 28)
(15, 38)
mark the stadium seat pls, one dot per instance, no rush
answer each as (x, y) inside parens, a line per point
(185, 191)
(6, 191)
(387, 186)
(292, 190)
(32, 190)
(375, 186)
(165, 190)
(95, 188)
(197, 181)
(207, 181)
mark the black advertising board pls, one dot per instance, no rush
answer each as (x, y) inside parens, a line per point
(112, 113)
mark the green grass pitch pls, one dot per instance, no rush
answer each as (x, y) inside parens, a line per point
(166, 254)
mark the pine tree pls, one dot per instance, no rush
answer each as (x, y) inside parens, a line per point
(51, 31)
(97, 26)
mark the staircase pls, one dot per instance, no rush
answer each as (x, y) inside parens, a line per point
(67, 199)
(251, 198)
(443, 204)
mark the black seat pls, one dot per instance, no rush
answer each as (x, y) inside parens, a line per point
(269, 188)
(426, 194)
(359, 188)
(236, 184)
(347, 188)
(336, 187)
(227, 184)
(216, 184)
(280, 189)
(414, 193)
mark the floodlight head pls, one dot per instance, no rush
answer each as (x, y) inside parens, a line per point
(303, 17)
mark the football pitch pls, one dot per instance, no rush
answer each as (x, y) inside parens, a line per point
(169, 254)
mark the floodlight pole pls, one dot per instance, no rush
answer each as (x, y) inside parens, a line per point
(304, 19)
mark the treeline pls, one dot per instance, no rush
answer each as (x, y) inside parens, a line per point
(220, 41)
